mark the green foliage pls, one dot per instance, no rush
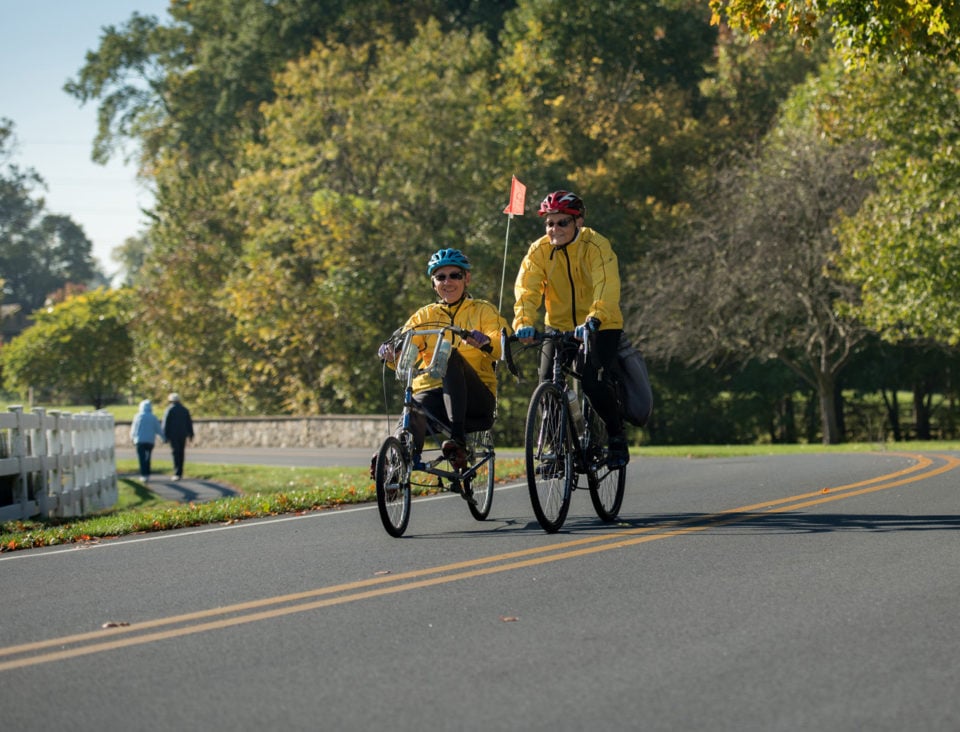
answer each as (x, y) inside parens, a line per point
(362, 173)
(39, 252)
(80, 347)
(610, 101)
(902, 246)
(899, 29)
(307, 156)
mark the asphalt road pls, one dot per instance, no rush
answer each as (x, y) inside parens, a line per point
(762, 593)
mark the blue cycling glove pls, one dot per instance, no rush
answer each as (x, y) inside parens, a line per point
(592, 325)
(526, 331)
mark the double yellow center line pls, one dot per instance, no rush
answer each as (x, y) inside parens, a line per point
(112, 638)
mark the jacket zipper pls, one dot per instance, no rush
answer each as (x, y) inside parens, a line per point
(573, 292)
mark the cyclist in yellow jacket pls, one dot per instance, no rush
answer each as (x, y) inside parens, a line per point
(573, 271)
(468, 390)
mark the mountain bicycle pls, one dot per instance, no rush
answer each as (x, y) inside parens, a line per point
(565, 438)
(398, 458)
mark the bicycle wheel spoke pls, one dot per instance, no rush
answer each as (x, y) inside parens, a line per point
(393, 487)
(481, 484)
(549, 461)
(606, 486)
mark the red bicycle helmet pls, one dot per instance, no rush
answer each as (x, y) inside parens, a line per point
(563, 202)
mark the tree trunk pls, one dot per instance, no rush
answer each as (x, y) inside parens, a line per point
(921, 410)
(893, 412)
(829, 424)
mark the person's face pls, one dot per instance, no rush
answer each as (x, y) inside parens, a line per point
(447, 285)
(561, 228)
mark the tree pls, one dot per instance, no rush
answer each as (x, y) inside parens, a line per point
(749, 276)
(191, 92)
(612, 98)
(372, 157)
(39, 252)
(903, 246)
(132, 256)
(898, 29)
(78, 348)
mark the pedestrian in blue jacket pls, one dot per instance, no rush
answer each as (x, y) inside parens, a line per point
(144, 431)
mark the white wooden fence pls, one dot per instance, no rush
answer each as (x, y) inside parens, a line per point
(57, 464)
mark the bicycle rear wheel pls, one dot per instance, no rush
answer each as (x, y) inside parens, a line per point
(606, 486)
(481, 484)
(393, 487)
(606, 490)
(549, 459)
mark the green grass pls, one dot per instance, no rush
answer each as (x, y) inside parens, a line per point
(264, 491)
(269, 491)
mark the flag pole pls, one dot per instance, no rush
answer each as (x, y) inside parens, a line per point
(518, 193)
(503, 276)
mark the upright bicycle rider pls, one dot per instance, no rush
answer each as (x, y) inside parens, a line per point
(574, 270)
(468, 390)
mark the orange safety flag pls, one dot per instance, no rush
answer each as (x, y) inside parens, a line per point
(518, 194)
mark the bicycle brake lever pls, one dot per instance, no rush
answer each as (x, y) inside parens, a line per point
(507, 355)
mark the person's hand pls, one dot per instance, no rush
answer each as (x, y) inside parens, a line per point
(526, 333)
(478, 338)
(592, 325)
(386, 352)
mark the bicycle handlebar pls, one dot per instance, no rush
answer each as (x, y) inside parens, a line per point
(563, 337)
(403, 341)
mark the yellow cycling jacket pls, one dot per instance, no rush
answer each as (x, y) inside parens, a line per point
(469, 314)
(578, 281)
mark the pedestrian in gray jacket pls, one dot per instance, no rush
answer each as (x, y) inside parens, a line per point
(144, 431)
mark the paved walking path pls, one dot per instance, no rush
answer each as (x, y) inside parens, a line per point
(185, 490)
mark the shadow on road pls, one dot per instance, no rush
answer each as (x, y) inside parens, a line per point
(787, 522)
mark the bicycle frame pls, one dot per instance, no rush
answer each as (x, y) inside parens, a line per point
(557, 451)
(564, 358)
(398, 458)
(436, 427)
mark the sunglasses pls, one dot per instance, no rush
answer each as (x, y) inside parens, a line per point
(562, 223)
(453, 276)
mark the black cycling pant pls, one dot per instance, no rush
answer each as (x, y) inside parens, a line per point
(598, 377)
(464, 399)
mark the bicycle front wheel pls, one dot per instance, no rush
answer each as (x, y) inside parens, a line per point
(549, 459)
(481, 484)
(393, 487)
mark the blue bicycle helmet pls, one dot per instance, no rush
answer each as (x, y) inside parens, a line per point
(447, 258)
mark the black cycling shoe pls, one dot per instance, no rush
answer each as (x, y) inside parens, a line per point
(619, 453)
(456, 452)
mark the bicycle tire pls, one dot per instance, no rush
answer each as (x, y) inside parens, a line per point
(606, 485)
(393, 487)
(606, 491)
(482, 482)
(549, 457)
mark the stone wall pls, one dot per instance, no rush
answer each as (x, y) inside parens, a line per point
(327, 431)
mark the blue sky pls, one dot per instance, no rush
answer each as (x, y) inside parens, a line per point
(43, 44)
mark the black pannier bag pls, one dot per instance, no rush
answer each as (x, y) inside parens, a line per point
(636, 397)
